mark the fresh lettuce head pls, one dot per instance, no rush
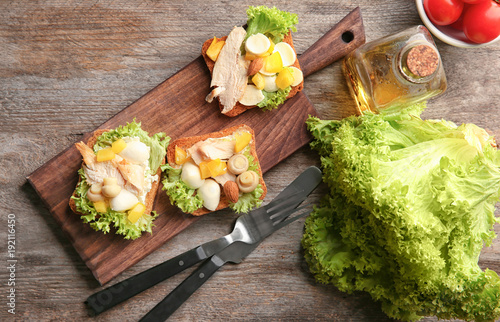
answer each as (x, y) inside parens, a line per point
(410, 206)
(271, 22)
(118, 220)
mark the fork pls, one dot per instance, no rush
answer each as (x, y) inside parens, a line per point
(234, 253)
(249, 228)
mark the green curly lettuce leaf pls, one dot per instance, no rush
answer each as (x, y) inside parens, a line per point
(105, 221)
(275, 24)
(248, 201)
(273, 100)
(118, 220)
(188, 201)
(410, 206)
(271, 22)
(178, 192)
(157, 143)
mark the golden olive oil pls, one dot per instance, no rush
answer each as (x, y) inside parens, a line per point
(395, 71)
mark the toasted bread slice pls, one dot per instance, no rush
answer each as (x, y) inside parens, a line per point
(150, 196)
(187, 142)
(240, 108)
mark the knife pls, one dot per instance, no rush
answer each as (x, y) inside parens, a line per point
(107, 298)
(234, 253)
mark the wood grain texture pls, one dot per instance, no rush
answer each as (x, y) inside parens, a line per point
(68, 66)
(178, 107)
(347, 35)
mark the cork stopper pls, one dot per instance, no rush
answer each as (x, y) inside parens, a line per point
(422, 60)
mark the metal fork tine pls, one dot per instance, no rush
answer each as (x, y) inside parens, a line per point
(283, 201)
(307, 207)
(279, 217)
(283, 211)
(284, 207)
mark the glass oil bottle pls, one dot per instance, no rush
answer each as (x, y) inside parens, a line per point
(395, 71)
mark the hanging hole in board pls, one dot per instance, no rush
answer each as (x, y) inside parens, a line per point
(347, 36)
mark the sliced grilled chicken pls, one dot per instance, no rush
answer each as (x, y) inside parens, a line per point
(229, 75)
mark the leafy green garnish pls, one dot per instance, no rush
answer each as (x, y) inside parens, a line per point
(179, 193)
(157, 143)
(104, 221)
(410, 205)
(275, 24)
(274, 99)
(188, 201)
(248, 201)
(271, 22)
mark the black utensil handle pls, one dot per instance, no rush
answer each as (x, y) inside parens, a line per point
(113, 295)
(181, 293)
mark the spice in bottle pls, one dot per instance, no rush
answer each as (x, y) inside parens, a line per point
(395, 71)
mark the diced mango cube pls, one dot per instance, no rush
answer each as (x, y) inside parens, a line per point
(284, 78)
(136, 212)
(214, 49)
(219, 168)
(271, 48)
(118, 146)
(259, 81)
(204, 170)
(242, 140)
(273, 63)
(101, 206)
(212, 168)
(105, 155)
(249, 56)
(181, 156)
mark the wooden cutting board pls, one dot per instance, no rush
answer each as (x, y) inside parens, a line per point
(178, 107)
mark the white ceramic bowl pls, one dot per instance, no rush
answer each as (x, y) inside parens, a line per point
(448, 34)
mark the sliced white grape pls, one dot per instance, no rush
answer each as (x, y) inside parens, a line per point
(298, 76)
(210, 194)
(257, 44)
(125, 200)
(287, 53)
(264, 73)
(270, 84)
(251, 96)
(135, 152)
(191, 175)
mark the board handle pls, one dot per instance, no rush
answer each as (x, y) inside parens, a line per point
(343, 38)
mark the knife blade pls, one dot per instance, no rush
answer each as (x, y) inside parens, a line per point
(299, 189)
(107, 298)
(234, 253)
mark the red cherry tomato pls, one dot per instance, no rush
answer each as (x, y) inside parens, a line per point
(459, 24)
(443, 12)
(474, 1)
(481, 22)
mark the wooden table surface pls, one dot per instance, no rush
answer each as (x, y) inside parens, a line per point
(68, 66)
